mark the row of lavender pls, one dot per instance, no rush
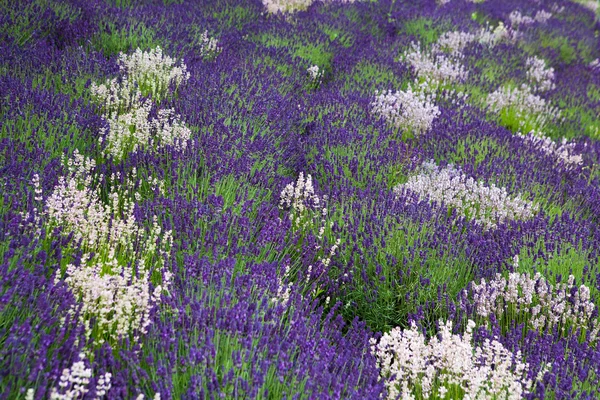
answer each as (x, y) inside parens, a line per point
(342, 200)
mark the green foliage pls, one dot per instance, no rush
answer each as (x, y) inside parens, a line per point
(269, 40)
(315, 55)
(54, 135)
(475, 149)
(112, 40)
(562, 259)
(578, 120)
(593, 92)
(513, 119)
(73, 85)
(237, 16)
(366, 173)
(338, 36)
(367, 76)
(424, 29)
(567, 51)
(24, 22)
(395, 290)
(121, 3)
(490, 71)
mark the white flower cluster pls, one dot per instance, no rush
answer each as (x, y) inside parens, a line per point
(415, 369)
(486, 205)
(129, 127)
(516, 18)
(595, 65)
(116, 96)
(142, 397)
(120, 301)
(533, 299)
(306, 214)
(542, 16)
(209, 47)
(589, 4)
(563, 152)
(433, 66)
(283, 289)
(133, 131)
(106, 281)
(74, 383)
(315, 74)
(455, 42)
(491, 37)
(275, 6)
(540, 77)
(527, 106)
(442, 63)
(411, 110)
(302, 201)
(153, 71)
(290, 6)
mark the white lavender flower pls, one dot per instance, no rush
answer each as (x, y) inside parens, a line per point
(106, 283)
(486, 205)
(409, 110)
(455, 42)
(169, 130)
(315, 74)
(562, 152)
(74, 383)
(491, 37)
(540, 77)
(410, 365)
(134, 131)
(516, 18)
(542, 16)
(299, 196)
(126, 133)
(116, 97)
(153, 71)
(290, 6)
(209, 46)
(528, 108)
(275, 6)
(435, 67)
(307, 214)
(534, 300)
(284, 288)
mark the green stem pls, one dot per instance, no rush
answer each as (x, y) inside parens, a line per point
(390, 12)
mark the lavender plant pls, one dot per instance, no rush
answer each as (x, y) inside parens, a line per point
(112, 292)
(534, 302)
(449, 366)
(488, 206)
(153, 72)
(411, 111)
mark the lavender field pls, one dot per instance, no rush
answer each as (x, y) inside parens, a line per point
(297, 199)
